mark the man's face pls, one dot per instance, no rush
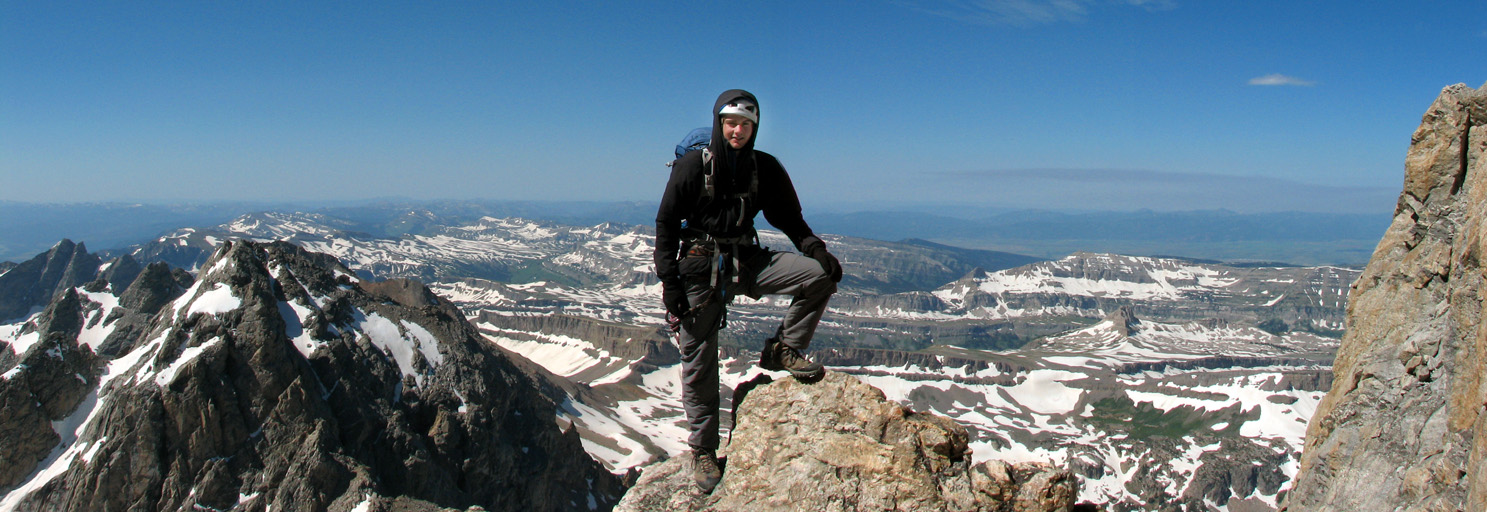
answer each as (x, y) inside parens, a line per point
(737, 130)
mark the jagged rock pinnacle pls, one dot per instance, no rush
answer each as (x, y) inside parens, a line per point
(1124, 320)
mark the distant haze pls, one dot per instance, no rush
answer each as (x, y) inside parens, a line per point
(1046, 232)
(1125, 190)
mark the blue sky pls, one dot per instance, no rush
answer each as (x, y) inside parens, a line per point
(1122, 105)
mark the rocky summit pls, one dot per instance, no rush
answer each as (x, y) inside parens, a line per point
(33, 284)
(1403, 426)
(276, 381)
(838, 445)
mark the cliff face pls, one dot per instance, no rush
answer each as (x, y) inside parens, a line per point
(1402, 428)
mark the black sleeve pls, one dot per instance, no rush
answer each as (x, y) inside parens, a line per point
(674, 208)
(781, 205)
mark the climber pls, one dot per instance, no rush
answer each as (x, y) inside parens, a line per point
(707, 250)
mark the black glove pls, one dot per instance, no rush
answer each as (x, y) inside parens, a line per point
(828, 262)
(674, 296)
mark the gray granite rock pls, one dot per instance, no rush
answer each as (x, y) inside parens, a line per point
(33, 283)
(53, 377)
(1403, 426)
(263, 386)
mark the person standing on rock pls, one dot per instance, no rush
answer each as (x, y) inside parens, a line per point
(707, 250)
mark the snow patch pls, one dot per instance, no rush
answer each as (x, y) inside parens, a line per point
(93, 449)
(216, 301)
(94, 330)
(294, 316)
(628, 452)
(168, 375)
(1277, 421)
(364, 506)
(24, 342)
(402, 342)
(1043, 392)
(563, 355)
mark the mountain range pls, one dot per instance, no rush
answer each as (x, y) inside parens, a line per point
(1149, 377)
(275, 377)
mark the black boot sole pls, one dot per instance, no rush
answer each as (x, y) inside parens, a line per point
(807, 375)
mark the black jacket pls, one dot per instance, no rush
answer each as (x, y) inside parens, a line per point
(723, 215)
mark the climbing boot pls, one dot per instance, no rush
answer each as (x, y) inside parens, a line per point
(798, 366)
(705, 469)
(769, 358)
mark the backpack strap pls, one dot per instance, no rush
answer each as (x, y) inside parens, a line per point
(746, 198)
(754, 183)
(709, 190)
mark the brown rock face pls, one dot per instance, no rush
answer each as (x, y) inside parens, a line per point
(1402, 428)
(838, 444)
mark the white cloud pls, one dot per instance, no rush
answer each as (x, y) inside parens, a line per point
(1023, 12)
(1279, 79)
(1154, 5)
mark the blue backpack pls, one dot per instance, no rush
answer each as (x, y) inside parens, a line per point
(696, 140)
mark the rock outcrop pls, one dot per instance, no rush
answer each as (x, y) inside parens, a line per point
(838, 444)
(51, 379)
(152, 289)
(1403, 426)
(1124, 320)
(120, 272)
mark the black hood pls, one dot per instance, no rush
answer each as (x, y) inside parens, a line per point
(719, 144)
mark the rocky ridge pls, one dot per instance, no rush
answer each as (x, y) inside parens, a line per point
(280, 378)
(46, 383)
(1403, 427)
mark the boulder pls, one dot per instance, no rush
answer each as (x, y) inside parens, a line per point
(836, 445)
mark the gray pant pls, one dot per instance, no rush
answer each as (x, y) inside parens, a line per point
(764, 273)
